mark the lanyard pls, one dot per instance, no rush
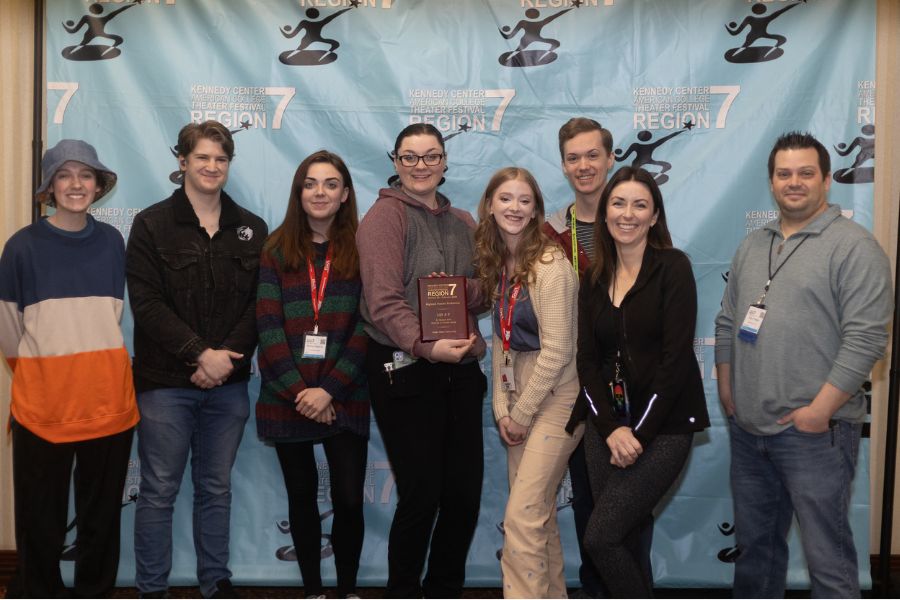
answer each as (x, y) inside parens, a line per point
(506, 324)
(760, 302)
(318, 299)
(574, 230)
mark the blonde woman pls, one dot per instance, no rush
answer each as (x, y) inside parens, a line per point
(534, 291)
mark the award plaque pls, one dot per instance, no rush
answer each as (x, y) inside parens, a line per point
(443, 312)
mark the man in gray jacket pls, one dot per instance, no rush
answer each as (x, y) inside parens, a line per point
(804, 318)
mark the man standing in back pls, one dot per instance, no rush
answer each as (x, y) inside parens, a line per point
(585, 149)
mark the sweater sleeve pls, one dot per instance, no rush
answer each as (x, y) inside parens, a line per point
(595, 367)
(346, 373)
(12, 320)
(679, 323)
(146, 292)
(725, 319)
(554, 297)
(380, 239)
(863, 292)
(276, 361)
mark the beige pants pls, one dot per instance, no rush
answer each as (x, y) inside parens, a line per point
(532, 561)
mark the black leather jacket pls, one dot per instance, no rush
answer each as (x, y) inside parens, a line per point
(190, 292)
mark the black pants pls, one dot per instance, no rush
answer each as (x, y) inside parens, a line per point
(622, 500)
(41, 475)
(639, 541)
(346, 454)
(429, 415)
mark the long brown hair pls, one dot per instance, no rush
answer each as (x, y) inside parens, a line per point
(293, 238)
(491, 250)
(603, 268)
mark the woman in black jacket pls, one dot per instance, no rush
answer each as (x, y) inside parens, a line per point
(641, 385)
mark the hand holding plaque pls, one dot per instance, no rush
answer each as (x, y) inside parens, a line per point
(443, 312)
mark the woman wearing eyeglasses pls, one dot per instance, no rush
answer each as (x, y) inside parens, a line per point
(426, 396)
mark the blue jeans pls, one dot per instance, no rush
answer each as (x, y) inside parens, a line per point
(772, 478)
(209, 425)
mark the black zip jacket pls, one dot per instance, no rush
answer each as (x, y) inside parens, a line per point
(656, 340)
(189, 292)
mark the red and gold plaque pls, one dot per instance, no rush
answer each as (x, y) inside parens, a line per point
(443, 312)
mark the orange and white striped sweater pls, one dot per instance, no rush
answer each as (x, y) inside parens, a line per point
(61, 301)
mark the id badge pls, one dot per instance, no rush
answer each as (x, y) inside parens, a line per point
(507, 378)
(402, 359)
(314, 345)
(752, 322)
(618, 390)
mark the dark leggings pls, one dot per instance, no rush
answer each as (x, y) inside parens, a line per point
(623, 498)
(346, 454)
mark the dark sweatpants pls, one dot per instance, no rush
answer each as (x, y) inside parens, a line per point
(41, 474)
(429, 416)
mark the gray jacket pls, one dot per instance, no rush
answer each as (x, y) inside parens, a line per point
(828, 309)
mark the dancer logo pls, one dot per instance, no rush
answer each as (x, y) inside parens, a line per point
(643, 150)
(859, 171)
(532, 26)
(456, 111)
(310, 52)
(94, 25)
(731, 553)
(758, 25)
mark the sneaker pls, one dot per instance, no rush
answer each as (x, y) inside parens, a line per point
(315, 596)
(224, 589)
(351, 596)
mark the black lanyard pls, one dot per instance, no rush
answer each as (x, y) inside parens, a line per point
(761, 301)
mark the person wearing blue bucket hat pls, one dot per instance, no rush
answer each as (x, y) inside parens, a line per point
(62, 288)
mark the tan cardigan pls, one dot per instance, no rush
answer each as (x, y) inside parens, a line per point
(554, 296)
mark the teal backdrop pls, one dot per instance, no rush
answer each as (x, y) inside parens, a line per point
(695, 90)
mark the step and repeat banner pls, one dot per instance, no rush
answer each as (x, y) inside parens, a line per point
(696, 91)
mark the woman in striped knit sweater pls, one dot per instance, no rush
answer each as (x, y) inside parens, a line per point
(535, 291)
(311, 353)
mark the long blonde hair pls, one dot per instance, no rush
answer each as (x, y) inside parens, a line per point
(491, 250)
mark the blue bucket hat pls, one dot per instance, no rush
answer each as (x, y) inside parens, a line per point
(77, 151)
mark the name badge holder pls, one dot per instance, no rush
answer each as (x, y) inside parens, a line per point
(315, 344)
(756, 313)
(618, 393)
(507, 373)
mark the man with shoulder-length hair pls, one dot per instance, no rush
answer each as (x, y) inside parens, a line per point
(804, 318)
(192, 263)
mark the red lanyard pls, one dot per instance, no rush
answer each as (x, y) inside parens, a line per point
(506, 324)
(317, 299)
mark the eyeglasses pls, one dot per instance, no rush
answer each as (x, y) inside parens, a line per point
(411, 160)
